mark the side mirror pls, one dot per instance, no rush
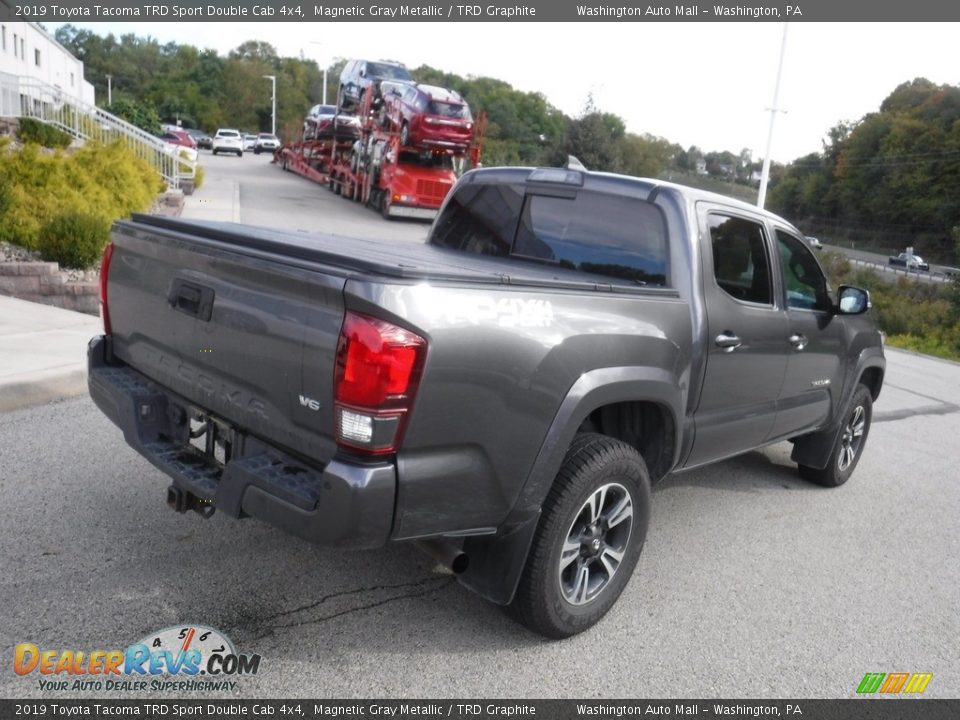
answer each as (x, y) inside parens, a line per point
(853, 300)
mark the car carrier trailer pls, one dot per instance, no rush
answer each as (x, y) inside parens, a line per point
(378, 170)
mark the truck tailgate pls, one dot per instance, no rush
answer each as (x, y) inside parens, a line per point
(251, 339)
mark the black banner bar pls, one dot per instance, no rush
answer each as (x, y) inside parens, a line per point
(461, 11)
(857, 709)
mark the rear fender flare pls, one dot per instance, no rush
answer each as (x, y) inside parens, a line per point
(595, 389)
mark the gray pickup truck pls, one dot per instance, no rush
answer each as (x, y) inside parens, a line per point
(503, 395)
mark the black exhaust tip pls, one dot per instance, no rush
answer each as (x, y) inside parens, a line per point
(445, 553)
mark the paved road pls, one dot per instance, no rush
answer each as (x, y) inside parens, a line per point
(878, 263)
(266, 195)
(752, 584)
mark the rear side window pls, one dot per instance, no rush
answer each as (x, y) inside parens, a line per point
(480, 219)
(740, 261)
(615, 237)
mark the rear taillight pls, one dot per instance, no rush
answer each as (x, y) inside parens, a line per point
(376, 378)
(104, 276)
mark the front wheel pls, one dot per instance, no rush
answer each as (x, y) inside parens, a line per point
(405, 134)
(589, 538)
(848, 444)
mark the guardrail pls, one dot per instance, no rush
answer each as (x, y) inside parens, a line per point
(28, 98)
(930, 275)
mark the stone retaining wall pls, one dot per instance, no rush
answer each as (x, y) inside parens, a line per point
(45, 282)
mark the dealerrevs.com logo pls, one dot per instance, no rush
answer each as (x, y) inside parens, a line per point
(191, 657)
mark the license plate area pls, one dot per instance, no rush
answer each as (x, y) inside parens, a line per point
(212, 437)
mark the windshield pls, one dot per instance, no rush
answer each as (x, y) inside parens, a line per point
(391, 72)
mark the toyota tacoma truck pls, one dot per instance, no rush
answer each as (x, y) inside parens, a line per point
(505, 394)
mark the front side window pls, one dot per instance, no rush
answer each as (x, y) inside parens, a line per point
(740, 263)
(805, 283)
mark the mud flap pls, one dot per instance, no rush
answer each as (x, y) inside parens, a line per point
(497, 562)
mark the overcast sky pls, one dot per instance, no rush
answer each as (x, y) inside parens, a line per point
(707, 84)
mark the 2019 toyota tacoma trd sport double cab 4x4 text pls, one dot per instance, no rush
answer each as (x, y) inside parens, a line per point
(505, 394)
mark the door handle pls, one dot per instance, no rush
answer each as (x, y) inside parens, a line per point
(728, 341)
(798, 341)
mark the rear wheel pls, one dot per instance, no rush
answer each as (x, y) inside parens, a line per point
(589, 538)
(848, 444)
(213, 152)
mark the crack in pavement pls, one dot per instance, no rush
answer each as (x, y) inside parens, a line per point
(942, 407)
(890, 415)
(265, 626)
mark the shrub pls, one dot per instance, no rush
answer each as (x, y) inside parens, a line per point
(34, 131)
(104, 180)
(74, 239)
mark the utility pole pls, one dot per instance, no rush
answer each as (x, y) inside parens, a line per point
(765, 173)
(324, 101)
(109, 89)
(273, 100)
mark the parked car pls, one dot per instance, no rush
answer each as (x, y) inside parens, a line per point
(266, 142)
(360, 75)
(228, 140)
(179, 137)
(512, 430)
(814, 243)
(204, 141)
(249, 141)
(323, 121)
(909, 261)
(426, 115)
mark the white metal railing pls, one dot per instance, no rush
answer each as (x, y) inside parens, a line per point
(29, 98)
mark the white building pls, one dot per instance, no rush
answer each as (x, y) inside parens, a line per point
(31, 59)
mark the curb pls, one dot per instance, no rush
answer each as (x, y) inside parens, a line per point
(43, 387)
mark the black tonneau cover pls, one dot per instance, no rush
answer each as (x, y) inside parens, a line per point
(406, 260)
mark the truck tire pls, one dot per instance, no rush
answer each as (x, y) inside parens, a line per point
(848, 445)
(385, 205)
(405, 134)
(588, 540)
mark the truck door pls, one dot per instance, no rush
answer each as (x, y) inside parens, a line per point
(816, 341)
(747, 336)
